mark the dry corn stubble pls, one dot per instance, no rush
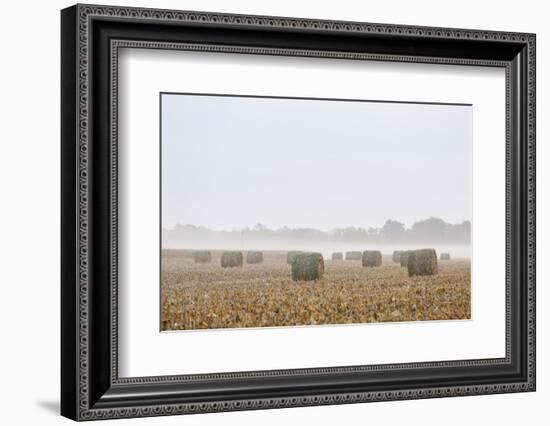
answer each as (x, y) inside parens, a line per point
(204, 295)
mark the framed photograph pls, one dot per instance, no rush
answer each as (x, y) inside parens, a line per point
(263, 212)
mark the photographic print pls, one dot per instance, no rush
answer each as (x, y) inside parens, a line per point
(327, 201)
(299, 212)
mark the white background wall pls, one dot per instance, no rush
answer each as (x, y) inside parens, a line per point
(29, 213)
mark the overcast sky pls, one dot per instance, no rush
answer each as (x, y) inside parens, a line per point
(231, 162)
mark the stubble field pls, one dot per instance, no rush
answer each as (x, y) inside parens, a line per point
(204, 295)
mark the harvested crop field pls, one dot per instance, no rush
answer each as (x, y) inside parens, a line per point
(205, 295)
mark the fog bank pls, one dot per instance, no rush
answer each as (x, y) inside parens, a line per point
(454, 239)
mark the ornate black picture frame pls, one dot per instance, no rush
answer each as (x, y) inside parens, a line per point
(90, 38)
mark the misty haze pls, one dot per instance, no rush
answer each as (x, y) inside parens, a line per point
(281, 211)
(392, 236)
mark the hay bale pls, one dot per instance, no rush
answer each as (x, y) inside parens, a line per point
(231, 259)
(445, 256)
(202, 256)
(291, 255)
(337, 256)
(189, 254)
(422, 262)
(254, 257)
(404, 258)
(396, 257)
(308, 267)
(354, 255)
(372, 258)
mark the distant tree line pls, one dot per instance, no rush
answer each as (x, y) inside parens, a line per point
(433, 230)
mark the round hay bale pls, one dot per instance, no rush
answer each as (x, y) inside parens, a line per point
(422, 262)
(202, 256)
(231, 259)
(189, 254)
(291, 255)
(445, 256)
(308, 267)
(337, 256)
(396, 257)
(372, 258)
(354, 255)
(254, 257)
(404, 258)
